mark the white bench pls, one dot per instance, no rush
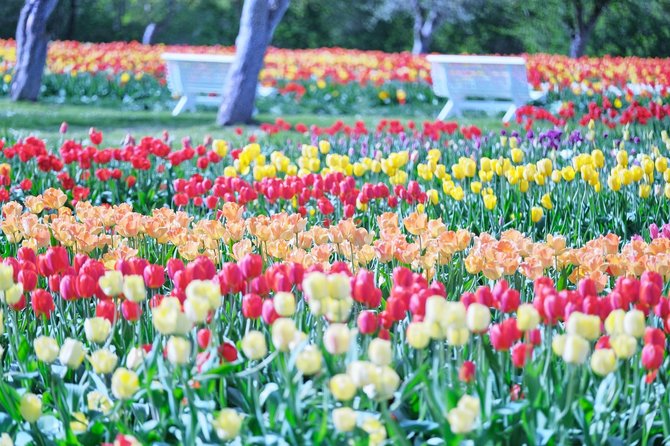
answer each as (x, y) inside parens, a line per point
(486, 83)
(196, 78)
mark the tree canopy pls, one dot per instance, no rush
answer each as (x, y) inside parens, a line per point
(484, 26)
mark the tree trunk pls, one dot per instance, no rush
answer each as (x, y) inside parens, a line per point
(577, 45)
(423, 28)
(257, 24)
(31, 49)
(583, 27)
(72, 20)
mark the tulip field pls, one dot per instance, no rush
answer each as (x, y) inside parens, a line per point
(398, 282)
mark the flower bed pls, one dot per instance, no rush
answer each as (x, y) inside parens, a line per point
(403, 284)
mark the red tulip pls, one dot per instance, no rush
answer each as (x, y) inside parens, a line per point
(230, 278)
(654, 336)
(154, 276)
(652, 356)
(587, 287)
(228, 351)
(174, 265)
(202, 268)
(57, 259)
(86, 285)
(95, 136)
(367, 322)
(603, 342)
(26, 254)
(521, 354)
(259, 286)
(28, 278)
(106, 309)
(268, 312)
(42, 302)
(466, 373)
(251, 266)
(203, 336)
(509, 300)
(253, 306)
(68, 287)
(504, 334)
(131, 311)
(484, 296)
(534, 336)
(650, 293)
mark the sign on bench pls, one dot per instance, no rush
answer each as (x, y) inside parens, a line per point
(196, 78)
(487, 83)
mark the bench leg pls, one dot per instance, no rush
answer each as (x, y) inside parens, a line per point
(180, 106)
(445, 111)
(185, 102)
(510, 113)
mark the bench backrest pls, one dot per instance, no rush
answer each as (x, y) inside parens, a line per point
(197, 73)
(486, 77)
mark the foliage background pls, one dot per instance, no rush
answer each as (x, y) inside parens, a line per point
(628, 27)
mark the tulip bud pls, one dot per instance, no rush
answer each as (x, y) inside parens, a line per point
(30, 407)
(624, 346)
(111, 283)
(135, 358)
(97, 329)
(205, 289)
(457, 336)
(466, 373)
(251, 266)
(344, 419)
(124, 383)
(584, 325)
(342, 387)
(166, 315)
(178, 350)
(461, 421)
(133, 288)
(614, 322)
(576, 349)
(633, 323)
(339, 286)
(380, 352)
(283, 333)
(652, 356)
(154, 276)
(196, 309)
(418, 335)
(336, 339)
(603, 361)
(14, 294)
(71, 353)
(527, 317)
(367, 322)
(254, 346)
(227, 424)
(103, 361)
(284, 304)
(309, 360)
(315, 286)
(46, 349)
(252, 305)
(478, 318)
(6, 276)
(387, 383)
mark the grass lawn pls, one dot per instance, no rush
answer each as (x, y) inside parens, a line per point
(18, 120)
